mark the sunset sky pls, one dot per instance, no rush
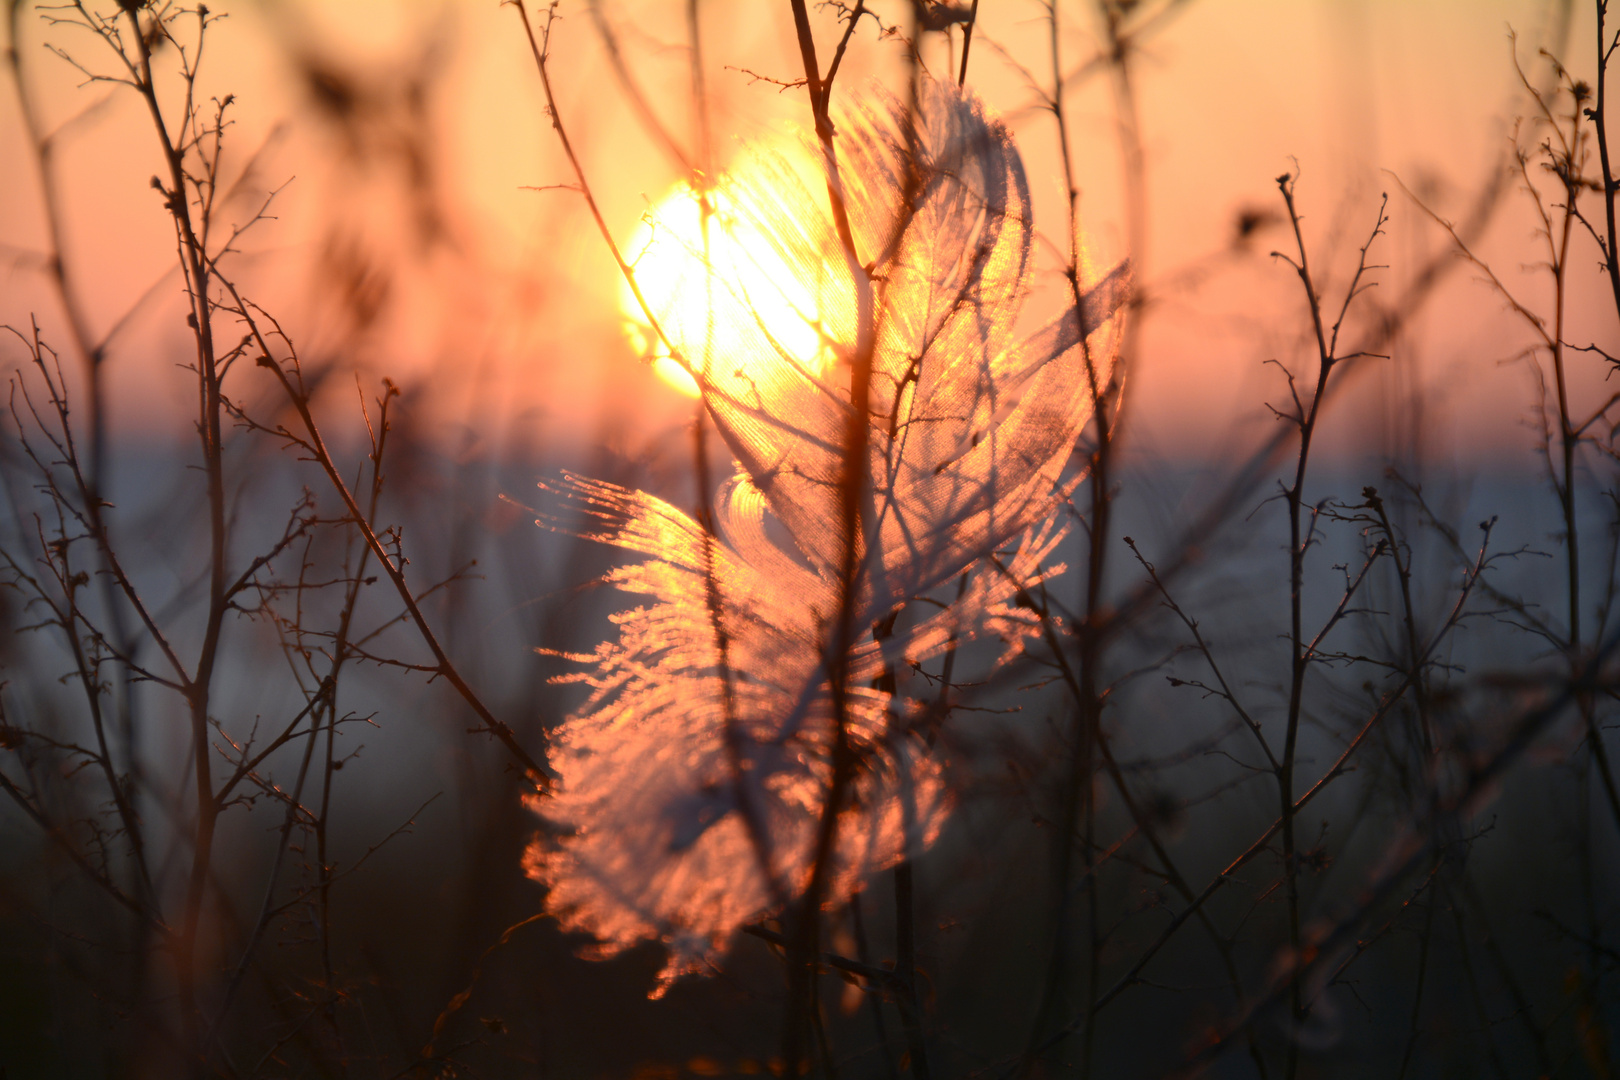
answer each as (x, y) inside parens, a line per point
(407, 238)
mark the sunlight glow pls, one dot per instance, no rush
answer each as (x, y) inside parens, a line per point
(759, 304)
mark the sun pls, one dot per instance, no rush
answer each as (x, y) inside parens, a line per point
(720, 300)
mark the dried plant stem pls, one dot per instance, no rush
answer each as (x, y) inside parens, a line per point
(1341, 764)
(857, 519)
(90, 479)
(197, 273)
(1078, 811)
(967, 41)
(1417, 845)
(444, 667)
(1300, 662)
(1414, 669)
(874, 1003)
(905, 969)
(314, 443)
(856, 506)
(632, 90)
(539, 47)
(1305, 419)
(1144, 826)
(1413, 644)
(1425, 939)
(701, 178)
(266, 910)
(92, 351)
(1610, 241)
(1570, 431)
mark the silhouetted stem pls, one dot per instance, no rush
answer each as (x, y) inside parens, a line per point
(905, 967)
(194, 263)
(1421, 842)
(1262, 843)
(1305, 417)
(967, 42)
(91, 480)
(1600, 122)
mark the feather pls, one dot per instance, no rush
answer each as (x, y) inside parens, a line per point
(681, 825)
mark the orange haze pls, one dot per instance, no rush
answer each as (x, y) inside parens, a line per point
(406, 237)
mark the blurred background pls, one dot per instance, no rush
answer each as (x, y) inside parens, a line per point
(413, 219)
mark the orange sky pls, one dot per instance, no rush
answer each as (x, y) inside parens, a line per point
(506, 300)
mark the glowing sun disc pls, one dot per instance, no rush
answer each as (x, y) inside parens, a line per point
(740, 300)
